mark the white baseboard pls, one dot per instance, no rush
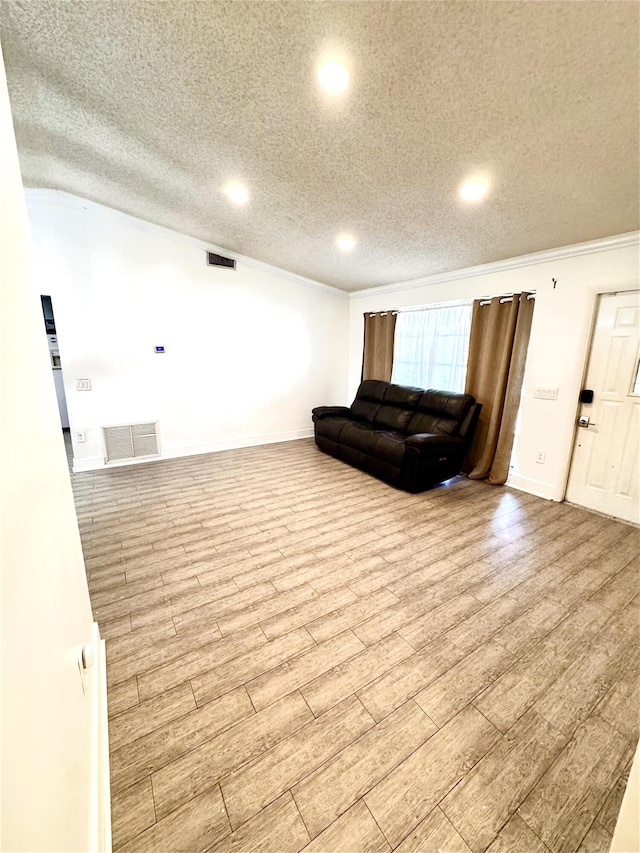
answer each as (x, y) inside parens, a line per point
(235, 443)
(97, 463)
(100, 779)
(92, 464)
(533, 487)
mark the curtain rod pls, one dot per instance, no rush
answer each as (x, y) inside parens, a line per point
(486, 300)
(433, 307)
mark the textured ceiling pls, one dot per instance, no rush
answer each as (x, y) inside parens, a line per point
(150, 107)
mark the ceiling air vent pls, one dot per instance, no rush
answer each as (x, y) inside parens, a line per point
(133, 441)
(214, 260)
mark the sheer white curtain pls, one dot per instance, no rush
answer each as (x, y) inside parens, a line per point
(431, 347)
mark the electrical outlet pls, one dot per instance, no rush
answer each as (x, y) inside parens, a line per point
(540, 454)
(81, 436)
(543, 392)
(83, 385)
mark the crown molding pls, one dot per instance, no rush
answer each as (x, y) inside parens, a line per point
(606, 244)
(65, 199)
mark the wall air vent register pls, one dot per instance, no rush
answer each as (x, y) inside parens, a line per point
(133, 441)
(214, 260)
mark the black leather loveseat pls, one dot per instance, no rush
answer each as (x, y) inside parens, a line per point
(408, 437)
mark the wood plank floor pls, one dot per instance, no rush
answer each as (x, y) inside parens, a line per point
(301, 657)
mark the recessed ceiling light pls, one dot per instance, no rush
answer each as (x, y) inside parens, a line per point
(345, 242)
(473, 190)
(333, 76)
(236, 193)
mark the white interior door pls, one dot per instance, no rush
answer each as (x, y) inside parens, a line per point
(605, 467)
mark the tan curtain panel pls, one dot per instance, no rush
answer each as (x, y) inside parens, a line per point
(377, 358)
(497, 355)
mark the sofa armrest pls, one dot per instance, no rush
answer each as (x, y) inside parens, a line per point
(331, 412)
(433, 442)
(468, 427)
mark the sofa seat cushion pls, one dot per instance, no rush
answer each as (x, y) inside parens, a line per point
(332, 427)
(383, 444)
(358, 435)
(389, 446)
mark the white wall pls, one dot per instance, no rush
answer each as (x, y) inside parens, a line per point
(248, 352)
(559, 338)
(46, 730)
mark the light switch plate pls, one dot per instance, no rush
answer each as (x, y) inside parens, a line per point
(83, 385)
(545, 392)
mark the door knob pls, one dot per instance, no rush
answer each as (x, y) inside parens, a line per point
(585, 422)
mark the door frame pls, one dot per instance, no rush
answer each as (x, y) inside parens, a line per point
(597, 296)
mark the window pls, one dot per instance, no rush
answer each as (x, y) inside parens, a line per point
(431, 347)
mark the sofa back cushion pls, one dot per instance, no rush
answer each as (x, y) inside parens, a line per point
(385, 405)
(402, 395)
(398, 407)
(440, 412)
(368, 399)
(404, 409)
(393, 417)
